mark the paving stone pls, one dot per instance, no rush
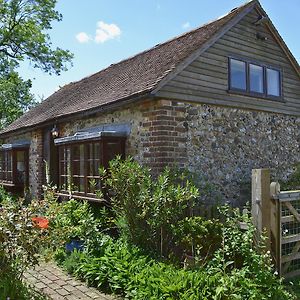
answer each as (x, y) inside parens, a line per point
(54, 286)
(72, 297)
(47, 281)
(60, 282)
(63, 292)
(93, 295)
(57, 285)
(79, 293)
(69, 287)
(83, 288)
(52, 277)
(74, 282)
(31, 279)
(40, 285)
(48, 291)
(57, 297)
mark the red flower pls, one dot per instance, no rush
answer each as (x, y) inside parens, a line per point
(40, 222)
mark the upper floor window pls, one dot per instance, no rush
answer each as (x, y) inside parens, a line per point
(254, 79)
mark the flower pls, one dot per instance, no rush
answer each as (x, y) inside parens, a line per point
(40, 222)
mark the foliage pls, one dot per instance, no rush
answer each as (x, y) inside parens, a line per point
(20, 244)
(71, 220)
(23, 35)
(293, 182)
(148, 209)
(236, 269)
(124, 269)
(246, 267)
(199, 234)
(15, 289)
(20, 240)
(15, 97)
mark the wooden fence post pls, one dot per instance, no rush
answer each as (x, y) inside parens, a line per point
(261, 203)
(276, 225)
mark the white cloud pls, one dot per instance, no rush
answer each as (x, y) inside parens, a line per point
(106, 32)
(83, 37)
(186, 25)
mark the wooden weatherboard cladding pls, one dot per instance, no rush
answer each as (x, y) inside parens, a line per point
(205, 79)
(253, 78)
(79, 164)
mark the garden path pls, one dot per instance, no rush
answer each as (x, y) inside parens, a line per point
(57, 285)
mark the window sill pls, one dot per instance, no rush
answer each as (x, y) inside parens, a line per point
(11, 184)
(88, 198)
(256, 95)
(6, 183)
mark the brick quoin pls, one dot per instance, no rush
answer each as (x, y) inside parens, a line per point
(166, 144)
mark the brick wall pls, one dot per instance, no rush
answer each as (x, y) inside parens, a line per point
(166, 130)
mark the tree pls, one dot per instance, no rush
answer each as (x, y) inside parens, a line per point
(23, 36)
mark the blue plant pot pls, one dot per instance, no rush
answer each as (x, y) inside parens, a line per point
(74, 244)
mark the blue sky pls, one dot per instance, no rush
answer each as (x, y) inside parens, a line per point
(102, 32)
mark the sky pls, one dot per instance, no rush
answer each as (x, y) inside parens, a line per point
(103, 32)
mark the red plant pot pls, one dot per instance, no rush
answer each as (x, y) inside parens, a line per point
(40, 222)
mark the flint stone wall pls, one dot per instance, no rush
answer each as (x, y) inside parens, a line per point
(225, 144)
(36, 164)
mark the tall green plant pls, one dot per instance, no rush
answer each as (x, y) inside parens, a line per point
(148, 209)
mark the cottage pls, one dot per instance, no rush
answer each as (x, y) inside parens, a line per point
(220, 100)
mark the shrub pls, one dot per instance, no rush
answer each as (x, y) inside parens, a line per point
(148, 210)
(20, 244)
(71, 220)
(124, 269)
(198, 237)
(21, 241)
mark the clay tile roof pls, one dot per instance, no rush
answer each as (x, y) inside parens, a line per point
(134, 76)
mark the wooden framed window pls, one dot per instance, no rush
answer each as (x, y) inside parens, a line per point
(254, 79)
(79, 164)
(14, 167)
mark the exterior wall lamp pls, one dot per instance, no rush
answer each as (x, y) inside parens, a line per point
(55, 132)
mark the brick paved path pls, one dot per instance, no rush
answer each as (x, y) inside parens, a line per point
(57, 285)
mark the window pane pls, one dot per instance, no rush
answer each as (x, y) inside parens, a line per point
(93, 159)
(21, 167)
(256, 78)
(64, 167)
(1, 166)
(237, 74)
(78, 160)
(273, 82)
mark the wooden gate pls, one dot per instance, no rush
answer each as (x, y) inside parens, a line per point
(285, 232)
(277, 214)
